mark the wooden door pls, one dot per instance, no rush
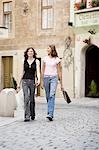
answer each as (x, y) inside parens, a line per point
(7, 71)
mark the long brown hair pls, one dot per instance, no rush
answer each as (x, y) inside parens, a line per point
(25, 53)
(53, 51)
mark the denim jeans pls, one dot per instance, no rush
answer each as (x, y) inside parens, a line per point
(28, 86)
(50, 85)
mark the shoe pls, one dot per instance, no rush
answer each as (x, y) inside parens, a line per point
(33, 118)
(26, 119)
(49, 118)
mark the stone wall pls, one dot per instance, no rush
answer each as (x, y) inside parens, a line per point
(26, 31)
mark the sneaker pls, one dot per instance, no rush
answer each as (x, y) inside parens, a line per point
(49, 118)
(32, 117)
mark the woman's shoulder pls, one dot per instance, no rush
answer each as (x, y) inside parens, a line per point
(37, 61)
(58, 59)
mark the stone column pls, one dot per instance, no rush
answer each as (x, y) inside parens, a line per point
(7, 102)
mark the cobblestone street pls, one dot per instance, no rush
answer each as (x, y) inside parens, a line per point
(75, 127)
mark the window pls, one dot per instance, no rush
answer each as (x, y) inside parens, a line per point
(7, 15)
(47, 14)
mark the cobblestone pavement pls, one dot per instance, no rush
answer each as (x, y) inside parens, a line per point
(75, 127)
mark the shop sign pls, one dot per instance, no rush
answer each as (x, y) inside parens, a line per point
(87, 18)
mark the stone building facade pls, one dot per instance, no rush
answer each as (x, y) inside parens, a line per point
(36, 23)
(86, 55)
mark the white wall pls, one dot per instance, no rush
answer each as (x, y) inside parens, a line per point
(80, 49)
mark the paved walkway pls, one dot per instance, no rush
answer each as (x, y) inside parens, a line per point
(75, 127)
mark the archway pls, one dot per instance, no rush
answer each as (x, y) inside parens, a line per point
(92, 71)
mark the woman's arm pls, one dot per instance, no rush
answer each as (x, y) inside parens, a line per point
(38, 72)
(42, 73)
(22, 72)
(59, 70)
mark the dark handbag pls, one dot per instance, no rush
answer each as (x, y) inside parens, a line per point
(66, 97)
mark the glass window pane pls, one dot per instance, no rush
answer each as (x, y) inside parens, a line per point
(7, 6)
(47, 14)
(44, 18)
(6, 18)
(50, 2)
(8, 15)
(8, 21)
(50, 18)
(44, 2)
(47, 2)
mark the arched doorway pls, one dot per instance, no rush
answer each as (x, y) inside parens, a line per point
(91, 70)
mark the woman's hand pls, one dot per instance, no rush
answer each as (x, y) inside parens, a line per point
(18, 89)
(59, 69)
(61, 86)
(42, 85)
(37, 84)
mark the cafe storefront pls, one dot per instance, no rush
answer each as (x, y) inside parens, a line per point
(86, 28)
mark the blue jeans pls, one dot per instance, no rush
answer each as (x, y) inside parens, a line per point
(50, 85)
(28, 86)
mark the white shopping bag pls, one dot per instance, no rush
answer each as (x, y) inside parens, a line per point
(20, 100)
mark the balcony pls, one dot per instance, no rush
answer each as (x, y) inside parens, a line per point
(87, 14)
(86, 5)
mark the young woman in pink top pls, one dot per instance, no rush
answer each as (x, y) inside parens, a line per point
(51, 73)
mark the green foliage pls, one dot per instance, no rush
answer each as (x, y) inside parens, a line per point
(93, 89)
(95, 3)
(82, 5)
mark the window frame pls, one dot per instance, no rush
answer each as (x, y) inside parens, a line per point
(47, 7)
(7, 13)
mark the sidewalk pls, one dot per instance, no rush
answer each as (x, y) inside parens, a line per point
(7, 120)
(83, 101)
(75, 101)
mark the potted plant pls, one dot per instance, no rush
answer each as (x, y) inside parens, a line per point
(82, 5)
(77, 6)
(93, 90)
(95, 3)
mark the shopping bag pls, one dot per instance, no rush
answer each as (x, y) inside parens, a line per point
(66, 97)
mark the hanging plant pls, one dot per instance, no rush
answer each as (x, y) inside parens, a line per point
(82, 5)
(95, 3)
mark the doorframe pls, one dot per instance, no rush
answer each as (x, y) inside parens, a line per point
(7, 67)
(12, 53)
(93, 46)
(82, 69)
